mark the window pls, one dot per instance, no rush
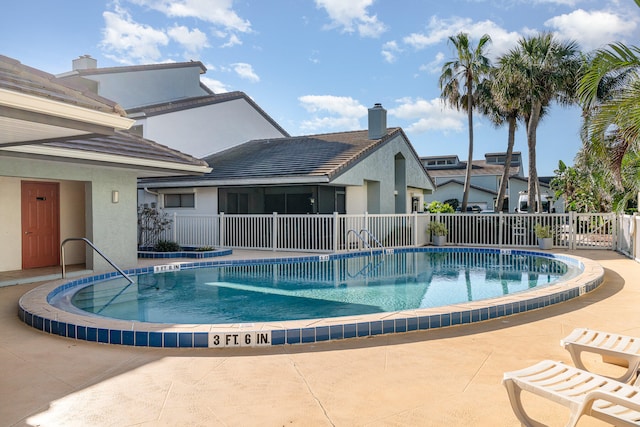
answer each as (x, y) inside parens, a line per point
(186, 200)
(237, 203)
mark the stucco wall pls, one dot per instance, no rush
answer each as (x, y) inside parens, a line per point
(135, 89)
(356, 200)
(111, 226)
(379, 166)
(10, 230)
(206, 130)
(72, 219)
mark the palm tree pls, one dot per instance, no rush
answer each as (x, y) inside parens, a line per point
(459, 79)
(550, 69)
(500, 99)
(609, 93)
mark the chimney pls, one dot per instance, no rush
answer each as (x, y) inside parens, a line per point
(377, 122)
(85, 62)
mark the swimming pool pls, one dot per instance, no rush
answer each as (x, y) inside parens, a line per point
(312, 289)
(391, 308)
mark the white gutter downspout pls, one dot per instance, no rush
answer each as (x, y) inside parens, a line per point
(154, 193)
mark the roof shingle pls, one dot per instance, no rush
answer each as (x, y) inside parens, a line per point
(313, 155)
(15, 76)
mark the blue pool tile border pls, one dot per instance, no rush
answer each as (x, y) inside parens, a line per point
(400, 323)
(187, 253)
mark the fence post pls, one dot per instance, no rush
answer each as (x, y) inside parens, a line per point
(175, 227)
(500, 229)
(614, 232)
(274, 231)
(572, 230)
(415, 229)
(365, 221)
(632, 236)
(335, 232)
(221, 230)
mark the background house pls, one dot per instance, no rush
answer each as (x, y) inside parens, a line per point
(172, 107)
(257, 166)
(448, 172)
(374, 170)
(69, 169)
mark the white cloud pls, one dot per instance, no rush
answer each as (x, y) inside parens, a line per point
(338, 112)
(428, 115)
(592, 29)
(245, 71)
(389, 51)
(215, 85)
(233, 41)
(434, 66)
(439, 30)
(217, 12)
(128, 42)
(192, 40)
(558, 2)
(352, 16)
(314, 57)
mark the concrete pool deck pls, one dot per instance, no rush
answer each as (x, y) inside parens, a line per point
(440, 377)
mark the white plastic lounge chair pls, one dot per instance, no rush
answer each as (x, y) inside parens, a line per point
(617, 349)
(584, 393)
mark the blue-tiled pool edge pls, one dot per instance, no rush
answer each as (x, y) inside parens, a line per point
(40, 317)
(187, 253)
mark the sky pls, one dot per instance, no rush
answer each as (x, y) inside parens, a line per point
(316, 66)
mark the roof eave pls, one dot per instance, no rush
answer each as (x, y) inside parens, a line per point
(236, 182)
(23, 101)
(39, 150)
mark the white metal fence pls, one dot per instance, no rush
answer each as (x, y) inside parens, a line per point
(334, 233)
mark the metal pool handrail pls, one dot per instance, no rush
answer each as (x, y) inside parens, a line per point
(364, 230)
(88, 242)
(366, 243)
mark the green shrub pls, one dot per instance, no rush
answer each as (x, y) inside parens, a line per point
(166, 246)
(205, 249)
(439, 207)
(437, 228)
(543, 231)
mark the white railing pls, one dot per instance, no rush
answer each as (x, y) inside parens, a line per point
(391, 231)
(330, 233)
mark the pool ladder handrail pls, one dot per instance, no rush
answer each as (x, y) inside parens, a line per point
(366, 243)
(88, 242)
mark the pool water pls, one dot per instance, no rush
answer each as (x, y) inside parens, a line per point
(308, 290)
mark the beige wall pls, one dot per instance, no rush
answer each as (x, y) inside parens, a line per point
(86, 210)
(379, 166)
(11, 249)
(72, 222)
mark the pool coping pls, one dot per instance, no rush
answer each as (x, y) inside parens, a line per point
(34, 310)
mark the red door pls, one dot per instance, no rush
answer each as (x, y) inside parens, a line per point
(40, 224)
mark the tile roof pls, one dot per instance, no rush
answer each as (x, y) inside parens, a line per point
(201, 101)
(128, 145)
(479, 167)
(312, 155)
(15, 76)
(19, 78)
(323, 156)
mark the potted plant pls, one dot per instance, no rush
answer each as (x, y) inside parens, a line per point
(544, 235)
(438, 231)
